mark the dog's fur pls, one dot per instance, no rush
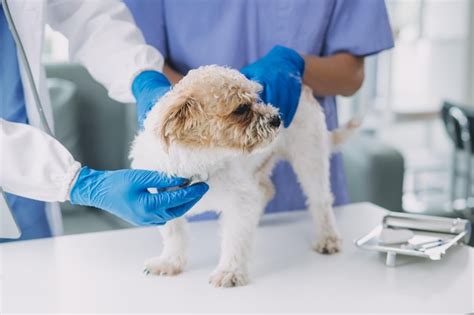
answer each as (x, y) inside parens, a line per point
(213, 124)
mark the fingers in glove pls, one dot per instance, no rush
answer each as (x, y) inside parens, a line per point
(175, 198)
(152, 179)
(176, 212)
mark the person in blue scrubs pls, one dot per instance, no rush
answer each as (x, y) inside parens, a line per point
(333, 36)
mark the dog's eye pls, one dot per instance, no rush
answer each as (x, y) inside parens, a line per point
(242, 109)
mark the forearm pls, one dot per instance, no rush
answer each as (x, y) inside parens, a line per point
(104, 38)
(340, 74)
(47, 176)
(172, 75)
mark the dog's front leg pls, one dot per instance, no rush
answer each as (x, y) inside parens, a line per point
(238, 223)
(173, 257)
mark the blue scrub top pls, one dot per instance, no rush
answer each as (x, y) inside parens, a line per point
(192, 33)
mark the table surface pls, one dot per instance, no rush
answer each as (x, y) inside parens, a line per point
(101, 272)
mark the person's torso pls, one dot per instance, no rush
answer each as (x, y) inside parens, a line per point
(237, 32)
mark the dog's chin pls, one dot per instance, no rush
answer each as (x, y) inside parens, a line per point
(263, 145)
(219, 151)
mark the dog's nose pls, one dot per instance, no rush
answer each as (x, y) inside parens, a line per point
(275, 121)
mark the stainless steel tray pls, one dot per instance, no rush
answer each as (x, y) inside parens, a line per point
(450, 231)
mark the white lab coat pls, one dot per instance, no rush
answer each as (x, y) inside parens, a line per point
(103, 37)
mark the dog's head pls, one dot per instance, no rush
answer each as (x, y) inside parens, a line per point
(216, 107)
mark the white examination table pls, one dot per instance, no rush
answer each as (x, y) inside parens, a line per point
(102, 272)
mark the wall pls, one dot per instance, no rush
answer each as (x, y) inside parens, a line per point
(471, 54)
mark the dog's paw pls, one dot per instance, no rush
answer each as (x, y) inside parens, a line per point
(228, 279)
(328, 245)
(163, 267)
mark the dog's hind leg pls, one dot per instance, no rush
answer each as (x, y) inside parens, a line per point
(263, 174)
(173, 256)
(310, 155)
(312, 169)
(238, 221)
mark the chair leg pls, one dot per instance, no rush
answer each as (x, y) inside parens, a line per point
(453, 177)
(457, 116)
(468, 165)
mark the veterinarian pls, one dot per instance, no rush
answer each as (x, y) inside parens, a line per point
(36, 170)
(280, 44)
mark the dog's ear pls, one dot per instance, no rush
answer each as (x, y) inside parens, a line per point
(180, 119)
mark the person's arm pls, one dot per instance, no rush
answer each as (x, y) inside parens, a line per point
(282, 70)
(173, 75)
(104, 38)
(339, 74)
(35, 165)
(355, 29)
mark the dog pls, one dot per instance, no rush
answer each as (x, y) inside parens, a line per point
(212, 124)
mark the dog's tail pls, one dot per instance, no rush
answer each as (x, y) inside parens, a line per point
(340, 135)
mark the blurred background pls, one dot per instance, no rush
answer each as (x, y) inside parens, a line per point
(417, 99)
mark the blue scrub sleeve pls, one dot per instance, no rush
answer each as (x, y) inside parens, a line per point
(359, 27)
(149, 17)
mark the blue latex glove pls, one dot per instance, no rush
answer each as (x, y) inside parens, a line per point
(148, 87)
(280, 72)
(124, 193)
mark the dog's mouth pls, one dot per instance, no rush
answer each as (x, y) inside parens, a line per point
(275, 121)
(262, 133)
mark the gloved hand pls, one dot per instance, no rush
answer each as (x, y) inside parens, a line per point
(280, 72)
(148, 87)
(124, 193)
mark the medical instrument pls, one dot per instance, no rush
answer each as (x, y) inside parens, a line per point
(8, 226)
(432, 236)
(423, 245)
(195, 179)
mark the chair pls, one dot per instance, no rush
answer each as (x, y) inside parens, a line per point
(459, 123)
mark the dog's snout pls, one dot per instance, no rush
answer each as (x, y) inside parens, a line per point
(275, 121)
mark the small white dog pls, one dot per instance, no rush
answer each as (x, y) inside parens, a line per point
(213, 125)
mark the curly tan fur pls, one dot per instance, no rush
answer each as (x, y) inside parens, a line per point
(202, 112)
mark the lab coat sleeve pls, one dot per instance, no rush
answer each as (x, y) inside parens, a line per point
(34, 164)
(104, 38)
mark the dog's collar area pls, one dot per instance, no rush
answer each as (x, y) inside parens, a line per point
(198, 178)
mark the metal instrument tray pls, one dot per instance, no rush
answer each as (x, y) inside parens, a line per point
(450, 231)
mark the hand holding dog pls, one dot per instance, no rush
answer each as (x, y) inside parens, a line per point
(124, 193)
(148, 87)
(280, 72)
